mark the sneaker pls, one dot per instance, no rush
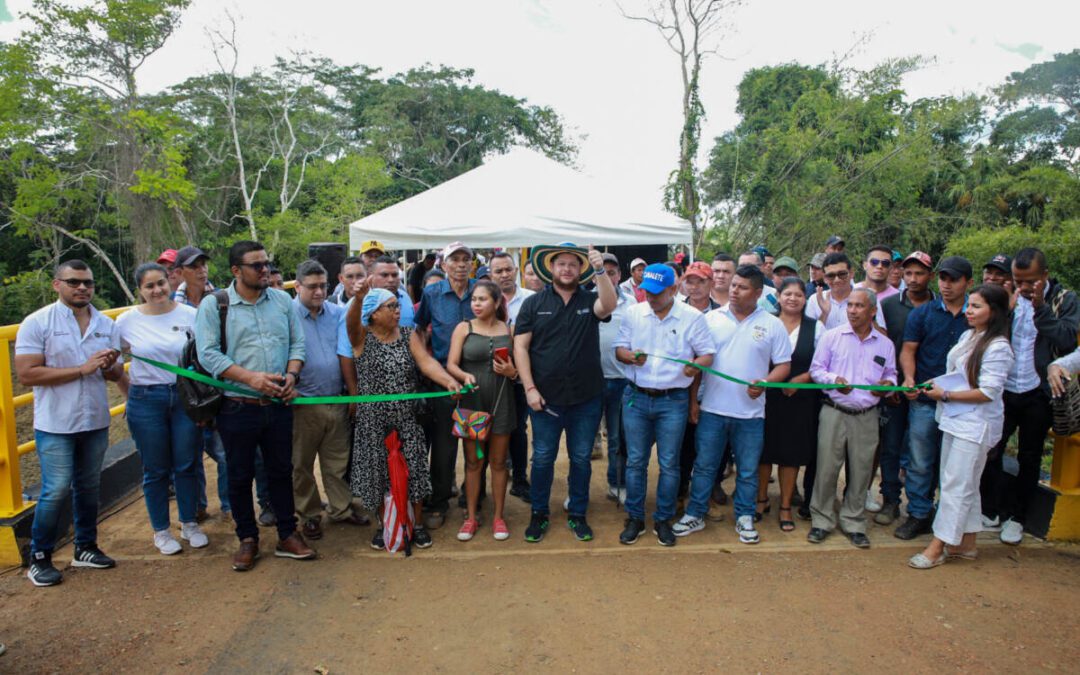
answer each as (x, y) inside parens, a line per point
(434, 520)
(816, 535)
(612, 493)
(42, 572)
(267, 518)
(538, 526)
(166, 543)
(1012, 532)
(745, 527)
(991, 524)
(804, 512)
(872, 504)
(377, 540)
(499, 530)
(580, 527)
(631, 531)
(688, 524)
(566, 505)
(890, 511)
(664, 534)
(521, 491)
(91, 556)
(622, 497)
(421, 538)
(468, 529)
(913, 527)
(193, 534)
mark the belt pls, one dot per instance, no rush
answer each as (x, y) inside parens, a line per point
(251, 401)
(656, 393)
(844, 409)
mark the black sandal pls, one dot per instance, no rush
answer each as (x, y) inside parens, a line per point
(786, 525)
(758, 515)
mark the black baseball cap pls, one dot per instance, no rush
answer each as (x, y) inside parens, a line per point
(188, 255)
(1001, 262)
(955, 266)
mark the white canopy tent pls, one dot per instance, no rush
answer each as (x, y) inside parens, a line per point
(517, 200)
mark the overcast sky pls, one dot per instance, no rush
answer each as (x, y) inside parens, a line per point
(614, 81)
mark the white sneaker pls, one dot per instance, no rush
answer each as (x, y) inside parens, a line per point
(1012, 532)
(622, 497)
(192, 534)
(872, 504)
(745, 527)
(166, 543)
(991, 524)
(566, 505)
(613, 493)
(687, 525)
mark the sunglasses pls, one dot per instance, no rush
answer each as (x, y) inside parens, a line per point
(258, 267)
(314, 287)
(75, 283)
(837, 275)
(392, 305)
(878, 262)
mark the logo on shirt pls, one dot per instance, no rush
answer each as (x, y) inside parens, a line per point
(759, 333)
(101, 335)
(544, 313)
(583, 311)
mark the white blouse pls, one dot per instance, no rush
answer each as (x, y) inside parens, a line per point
(982, 424)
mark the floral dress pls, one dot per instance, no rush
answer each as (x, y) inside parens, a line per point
(387, 368)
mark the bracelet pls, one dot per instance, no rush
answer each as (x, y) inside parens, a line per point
(530, 388)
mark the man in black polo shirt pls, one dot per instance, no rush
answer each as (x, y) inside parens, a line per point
(557, 349)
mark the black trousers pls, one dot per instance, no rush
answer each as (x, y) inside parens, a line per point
(1029, 413)
(519, 438)
(444, 451)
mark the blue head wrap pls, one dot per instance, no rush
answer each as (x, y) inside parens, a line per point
(374, 299)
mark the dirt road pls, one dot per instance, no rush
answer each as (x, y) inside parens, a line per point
(708, 604)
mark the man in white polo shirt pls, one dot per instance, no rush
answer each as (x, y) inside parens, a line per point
(735, 413)
(656, 400)
(66, 351)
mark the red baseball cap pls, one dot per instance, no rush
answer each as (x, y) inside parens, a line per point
(167, 257)
(700, 269)
(921, 258)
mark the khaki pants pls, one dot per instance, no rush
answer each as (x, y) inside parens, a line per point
(854, 439)
(321, 430)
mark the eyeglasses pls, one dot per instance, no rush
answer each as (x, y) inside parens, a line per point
(392, 305)
(879, 262)
(75, 283)
(314, 287)
(837, 275)
(258, 267)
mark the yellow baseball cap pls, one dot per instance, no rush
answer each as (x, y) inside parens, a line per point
(372, 245)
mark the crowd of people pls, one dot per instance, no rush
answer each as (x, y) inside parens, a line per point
(716, 365)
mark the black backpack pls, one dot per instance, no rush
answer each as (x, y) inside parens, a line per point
(202, 402)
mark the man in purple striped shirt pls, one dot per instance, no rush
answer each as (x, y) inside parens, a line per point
(848, 427)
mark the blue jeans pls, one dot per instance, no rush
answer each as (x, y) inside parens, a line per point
(747, 438)
(245, 431)
(924, 447)
(70, 465)
(894, 442)
(580, 422)
(612, 404)
(211, 445)
(168, 442)
(648, 420)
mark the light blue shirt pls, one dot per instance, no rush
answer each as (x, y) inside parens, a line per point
(262, 337)
(407, 320)
(321, 375)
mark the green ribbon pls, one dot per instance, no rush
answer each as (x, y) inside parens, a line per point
(789, 385)
(300, 400)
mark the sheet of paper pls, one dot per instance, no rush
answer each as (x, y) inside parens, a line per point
(955, 382)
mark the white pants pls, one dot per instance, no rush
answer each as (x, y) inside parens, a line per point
(959, 506)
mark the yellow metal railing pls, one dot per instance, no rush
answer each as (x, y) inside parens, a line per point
(11, 501)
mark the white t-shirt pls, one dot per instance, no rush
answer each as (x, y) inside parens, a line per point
(160, 337)
(838, 311)
(744, 350)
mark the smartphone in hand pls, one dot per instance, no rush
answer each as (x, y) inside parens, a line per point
(502, 353)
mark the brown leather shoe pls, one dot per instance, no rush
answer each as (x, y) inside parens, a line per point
(312, 529)
(295, 547)
(245, 557)
(355, 518)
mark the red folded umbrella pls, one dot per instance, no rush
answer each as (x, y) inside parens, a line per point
(398, 516)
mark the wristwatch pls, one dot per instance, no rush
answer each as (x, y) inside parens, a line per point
(945, 397)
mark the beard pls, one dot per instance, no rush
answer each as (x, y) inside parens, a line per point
(561, 285)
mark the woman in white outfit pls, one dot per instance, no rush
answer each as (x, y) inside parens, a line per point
(970, 417)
